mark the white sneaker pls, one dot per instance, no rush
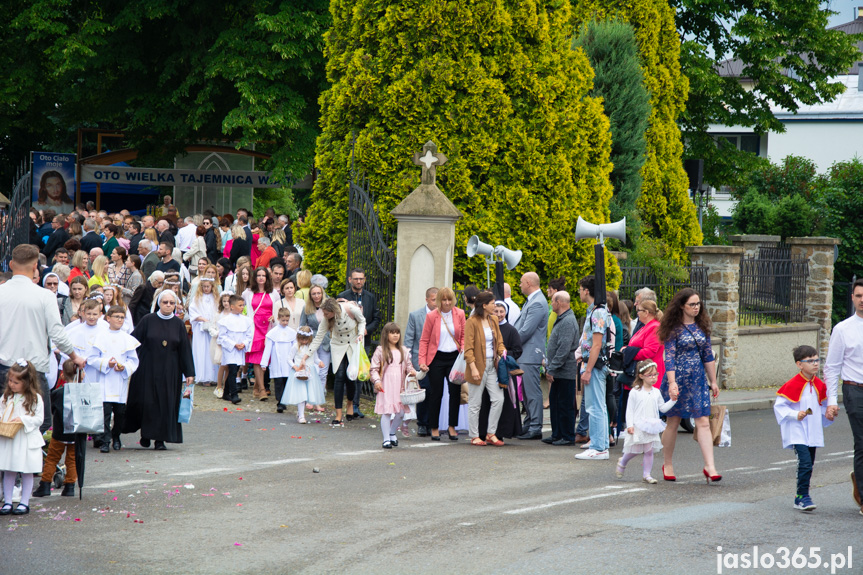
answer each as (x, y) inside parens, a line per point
(593, 454)
(584, 446)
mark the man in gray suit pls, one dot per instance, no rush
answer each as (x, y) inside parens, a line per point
(416, 321)
(532, 325)
(149, 259)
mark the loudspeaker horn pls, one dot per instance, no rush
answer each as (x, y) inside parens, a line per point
(585, 230)
(510, 258)
(475, 246)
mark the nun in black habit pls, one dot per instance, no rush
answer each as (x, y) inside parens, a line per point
(156, 388)
(509, 424)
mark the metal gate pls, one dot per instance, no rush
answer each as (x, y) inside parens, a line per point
(15, 218)
(368, 248)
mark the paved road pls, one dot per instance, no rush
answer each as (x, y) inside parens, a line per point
(240, 496)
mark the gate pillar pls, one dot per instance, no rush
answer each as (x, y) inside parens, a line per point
(425, 238)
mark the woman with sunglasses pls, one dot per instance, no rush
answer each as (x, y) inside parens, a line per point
(690, 371)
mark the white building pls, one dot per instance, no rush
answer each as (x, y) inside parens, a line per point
(824, 133)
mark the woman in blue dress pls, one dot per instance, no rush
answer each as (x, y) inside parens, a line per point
(690, 370)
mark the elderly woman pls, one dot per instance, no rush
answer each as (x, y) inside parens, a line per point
(345, 324)
(155, 390)
(143, 298)
(441, 341)
(62, 272)
(690, 371)
(483, 347)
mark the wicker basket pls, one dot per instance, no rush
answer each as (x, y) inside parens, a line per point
(9, 429)
(413, 393)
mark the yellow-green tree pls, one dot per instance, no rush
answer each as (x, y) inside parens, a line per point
(664, 205)
(497, 87)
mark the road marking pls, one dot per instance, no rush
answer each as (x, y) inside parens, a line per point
(208, 471)
(680, 515)
(573, 500)
(738, 469)
(283, 461)
(364, 452)
(424, 445)
(761, 470)
(615, 487)
(785, 462)
(837, 453)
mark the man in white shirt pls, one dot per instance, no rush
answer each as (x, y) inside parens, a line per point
(413, 332)
(186, 235)
(845, 360)
(514, 311)
(29, 322)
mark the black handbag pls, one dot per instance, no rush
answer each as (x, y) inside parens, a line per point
(615, 362)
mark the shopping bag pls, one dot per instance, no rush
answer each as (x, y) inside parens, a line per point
(365, 365)
(82, 408)
(716, 419)
(725, 437)
(456, 374)
(354, 363)
(186, 404)
(215, 351)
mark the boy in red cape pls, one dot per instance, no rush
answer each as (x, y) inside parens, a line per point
(800, 408)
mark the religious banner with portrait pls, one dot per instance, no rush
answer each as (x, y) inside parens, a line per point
(53, 181)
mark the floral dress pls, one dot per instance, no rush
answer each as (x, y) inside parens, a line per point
(686, 352)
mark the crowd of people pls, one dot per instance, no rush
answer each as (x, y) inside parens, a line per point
(147, 306)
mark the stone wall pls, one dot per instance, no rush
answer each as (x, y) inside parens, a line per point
(764, 352)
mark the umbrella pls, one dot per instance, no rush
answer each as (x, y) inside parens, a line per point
(80, 458)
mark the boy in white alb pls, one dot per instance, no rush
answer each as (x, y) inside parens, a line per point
(84, 335)
(235, 336)
(801, 410)
(279, 350)
(114, 355)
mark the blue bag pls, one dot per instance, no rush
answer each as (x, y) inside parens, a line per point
(503, 367)
(186, 404)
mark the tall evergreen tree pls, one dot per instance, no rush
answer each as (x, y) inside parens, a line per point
(498, 88)
(613, 52)
(664, 205)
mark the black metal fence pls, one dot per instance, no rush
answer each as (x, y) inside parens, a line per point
(15, 218)
(773, 286)
(638, 277)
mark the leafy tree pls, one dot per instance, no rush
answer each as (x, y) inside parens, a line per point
(498, 88)
(613, 52)
(783, 47)
(781, 199)
(167, 74)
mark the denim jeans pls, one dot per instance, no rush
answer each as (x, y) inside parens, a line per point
(805, 462)
(597, 414)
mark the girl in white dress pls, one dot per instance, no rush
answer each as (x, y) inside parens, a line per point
(303, 385)
(113, 295)
(643, 425)
(22, 403)
(204, 320)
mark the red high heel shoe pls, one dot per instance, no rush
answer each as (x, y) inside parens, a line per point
(713, 478)
(668, 477)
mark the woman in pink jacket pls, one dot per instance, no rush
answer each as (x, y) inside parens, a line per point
(441, 341)
(646, 338)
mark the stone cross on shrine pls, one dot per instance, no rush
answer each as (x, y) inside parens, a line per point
(430, 159)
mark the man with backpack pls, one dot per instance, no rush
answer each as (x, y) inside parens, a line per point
(594, 370)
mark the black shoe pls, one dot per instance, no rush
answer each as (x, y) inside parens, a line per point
(6, 509)
(548, 440)
(68, 490)
(422, 431)
(160, 446)
(435, 437)
(280, 408)
(226, 397)
(117, 445)
(235, 400)
(453, 437)
(350, 417)
(537, 435)
(21, 509)
(145, 443)
(387, 445)
(106, 448)
(563, 442)
(44, 489)
(395, 442)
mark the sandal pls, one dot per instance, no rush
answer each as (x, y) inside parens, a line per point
(337, 423)
(493, 440)
(477, 441)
